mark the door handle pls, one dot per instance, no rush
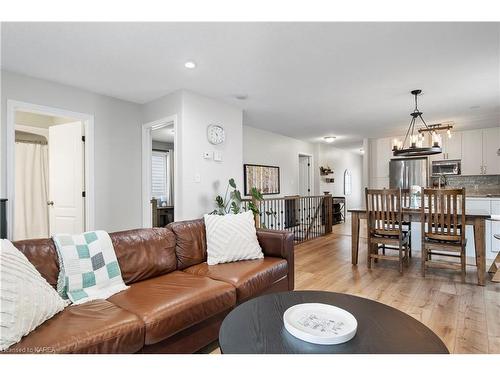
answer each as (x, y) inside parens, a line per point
(50, 203)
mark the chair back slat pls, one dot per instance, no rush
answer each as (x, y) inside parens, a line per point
(446, 214)
(384, 211)
(405, 197)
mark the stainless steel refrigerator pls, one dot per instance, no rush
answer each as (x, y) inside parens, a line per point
(405, 172)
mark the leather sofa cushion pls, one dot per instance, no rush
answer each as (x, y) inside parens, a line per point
(141, 253)
(249, 277)
(144, 253)
(93, 327)
(173, 302)
(43, 255)
(191, 242)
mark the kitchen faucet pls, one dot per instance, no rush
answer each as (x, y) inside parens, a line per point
(439, 180)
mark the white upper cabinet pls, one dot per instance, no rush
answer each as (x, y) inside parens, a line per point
(491, 149)
(472, 158)
(453, 146)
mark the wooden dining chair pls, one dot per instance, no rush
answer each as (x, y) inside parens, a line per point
(405, 202)
(443, 228)
(384, 224)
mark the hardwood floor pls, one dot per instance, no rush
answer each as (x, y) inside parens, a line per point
(465, 316)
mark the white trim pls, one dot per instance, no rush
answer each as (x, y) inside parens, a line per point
(311, 171)
(88, 123)
(147, 151)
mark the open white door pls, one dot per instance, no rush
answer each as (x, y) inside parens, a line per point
(66, 171)
(304, 175)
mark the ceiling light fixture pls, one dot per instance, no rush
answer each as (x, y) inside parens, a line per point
(415, 146)
(190, 65)
(329, 139)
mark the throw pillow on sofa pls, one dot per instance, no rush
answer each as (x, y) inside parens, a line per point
(231, 238)
(27, 299)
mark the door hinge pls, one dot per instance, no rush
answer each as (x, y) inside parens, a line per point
(83, 194)
(83, 138)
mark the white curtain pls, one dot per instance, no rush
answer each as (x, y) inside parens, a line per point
(170, 177)
(31, 218)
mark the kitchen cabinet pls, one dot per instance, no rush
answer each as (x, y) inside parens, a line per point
(452, 146)
(472, 157)
(478, 204)
(491, 149)
(480, 151)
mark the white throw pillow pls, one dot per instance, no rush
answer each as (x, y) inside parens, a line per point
(231, 238)
(26, 298)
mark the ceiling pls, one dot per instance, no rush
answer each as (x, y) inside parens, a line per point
(304, 80)
(164, 134)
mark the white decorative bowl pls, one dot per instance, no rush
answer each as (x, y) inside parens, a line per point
(319, 323)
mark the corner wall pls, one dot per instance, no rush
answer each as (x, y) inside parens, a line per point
(340, 160)
(196, 196)
(117, 145)
(266, 148)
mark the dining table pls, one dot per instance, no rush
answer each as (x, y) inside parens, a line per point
(476, 218)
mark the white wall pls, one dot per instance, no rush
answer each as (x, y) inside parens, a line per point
(117, 144)
(339, 160)
(263, 147)
(194, 113)
(199, 112)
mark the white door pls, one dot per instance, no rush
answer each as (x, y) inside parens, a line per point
(66, 182)
(304, 175)
(491, 149)
(472, 158)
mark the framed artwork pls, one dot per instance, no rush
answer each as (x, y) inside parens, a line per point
(266, 178)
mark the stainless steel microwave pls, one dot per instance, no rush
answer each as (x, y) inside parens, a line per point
(448, 167)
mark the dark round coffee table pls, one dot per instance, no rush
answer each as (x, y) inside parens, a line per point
(256, 327)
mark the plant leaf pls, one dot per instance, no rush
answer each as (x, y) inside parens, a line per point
(256, 194)
(235, 208)
(219, 201)
(253, 208)
(232, 183)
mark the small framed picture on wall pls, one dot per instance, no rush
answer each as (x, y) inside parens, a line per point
(265, 178)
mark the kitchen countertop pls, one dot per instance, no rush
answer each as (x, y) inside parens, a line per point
(483, 196)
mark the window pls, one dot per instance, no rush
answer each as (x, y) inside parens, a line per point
(347, 182)
(159, 186)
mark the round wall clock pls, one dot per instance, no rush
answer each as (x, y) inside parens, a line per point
(216, 134)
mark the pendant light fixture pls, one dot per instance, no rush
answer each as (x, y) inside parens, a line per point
(412, 144)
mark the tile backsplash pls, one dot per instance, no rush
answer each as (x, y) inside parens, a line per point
(475, 185)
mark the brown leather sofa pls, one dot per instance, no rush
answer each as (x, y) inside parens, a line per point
(175, 303)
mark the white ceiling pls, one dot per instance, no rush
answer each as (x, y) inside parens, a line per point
(305, 80)
(164, 134)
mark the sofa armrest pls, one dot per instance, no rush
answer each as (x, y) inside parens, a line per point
(279, 243)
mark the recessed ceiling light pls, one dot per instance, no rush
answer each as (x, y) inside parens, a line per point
(190, 64)
(329, 139)
(241, 97)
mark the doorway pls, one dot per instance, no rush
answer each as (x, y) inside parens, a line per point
(305, 175)
(49, 171)
(159, 172)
